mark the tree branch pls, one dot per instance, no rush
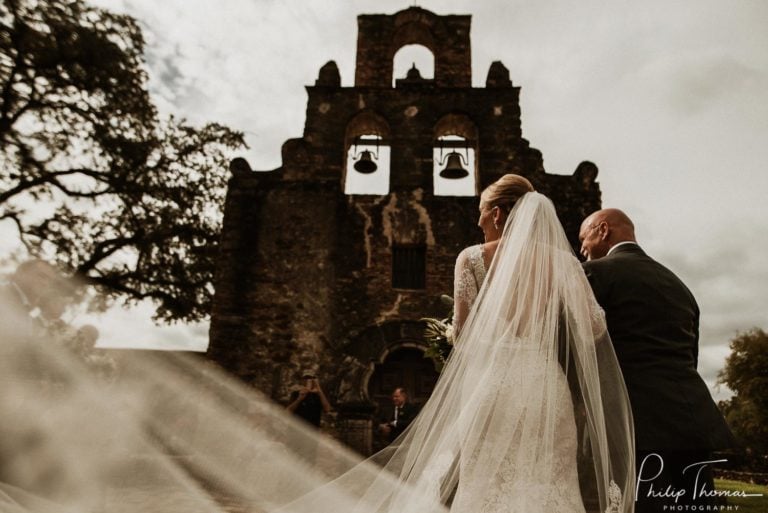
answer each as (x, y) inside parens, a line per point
(17, 33)
(14, 216)
(103, 250)
(50, 177)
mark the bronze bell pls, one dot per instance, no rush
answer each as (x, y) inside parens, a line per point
(453, 169)
(365, 163)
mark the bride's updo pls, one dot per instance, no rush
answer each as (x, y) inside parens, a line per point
(505, 192)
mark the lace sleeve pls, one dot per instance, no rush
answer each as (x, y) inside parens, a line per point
(597, 314)
(599, 326)
(464, 290)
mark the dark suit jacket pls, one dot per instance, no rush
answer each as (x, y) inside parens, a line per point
(653, 321)
(404, 418)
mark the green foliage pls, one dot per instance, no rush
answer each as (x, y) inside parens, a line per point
(758, 503)
(129, 202)
(439, 336)
(746, 373)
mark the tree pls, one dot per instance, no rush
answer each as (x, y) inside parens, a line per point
(89, 172)
(746, 373)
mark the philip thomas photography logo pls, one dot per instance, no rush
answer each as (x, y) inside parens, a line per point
(652, 467)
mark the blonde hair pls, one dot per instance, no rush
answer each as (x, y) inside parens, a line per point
(505, 192)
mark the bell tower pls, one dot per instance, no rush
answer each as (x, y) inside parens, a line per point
(329, 261)
(381, 36)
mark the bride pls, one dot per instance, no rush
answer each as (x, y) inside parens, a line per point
(530, 413)
(537, 322)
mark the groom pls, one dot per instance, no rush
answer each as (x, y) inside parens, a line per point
(653, 321)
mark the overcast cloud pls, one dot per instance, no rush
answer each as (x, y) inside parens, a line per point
(669, 99)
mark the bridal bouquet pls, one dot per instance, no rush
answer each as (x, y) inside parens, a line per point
(439, 335)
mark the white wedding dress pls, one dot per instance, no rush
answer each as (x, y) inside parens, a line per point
(521, 483)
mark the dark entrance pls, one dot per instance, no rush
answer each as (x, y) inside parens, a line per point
(407, 368)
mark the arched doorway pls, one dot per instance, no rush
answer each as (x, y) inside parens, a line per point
(404, 367)
(378, 359)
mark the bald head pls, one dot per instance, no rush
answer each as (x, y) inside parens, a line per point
(604, 229)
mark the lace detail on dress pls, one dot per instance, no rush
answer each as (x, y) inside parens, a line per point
(468, 279)
(433, 475)
(599, 323)
(521, 481)
(614, 498)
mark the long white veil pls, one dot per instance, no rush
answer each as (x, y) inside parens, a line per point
(172, 434)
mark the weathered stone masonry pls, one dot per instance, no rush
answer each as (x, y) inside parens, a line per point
(305, 271)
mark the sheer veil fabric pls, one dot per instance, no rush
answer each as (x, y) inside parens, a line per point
(530, 414)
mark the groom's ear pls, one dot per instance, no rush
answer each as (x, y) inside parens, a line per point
(604, 229)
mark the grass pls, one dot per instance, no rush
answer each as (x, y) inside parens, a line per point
(745, 504)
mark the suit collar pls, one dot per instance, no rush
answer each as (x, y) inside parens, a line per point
(625, 247)
(620, 245)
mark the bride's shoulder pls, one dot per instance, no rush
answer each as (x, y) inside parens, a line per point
(470, 253)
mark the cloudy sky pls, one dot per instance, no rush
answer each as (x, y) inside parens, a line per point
(668, 98)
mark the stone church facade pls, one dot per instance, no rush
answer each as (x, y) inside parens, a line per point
(310, 277)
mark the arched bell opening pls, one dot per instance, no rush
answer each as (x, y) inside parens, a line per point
(413, 64)
(367, 155)
(455, 156)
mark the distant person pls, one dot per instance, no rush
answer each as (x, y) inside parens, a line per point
(403, 413)
(36, 289)
(309, 402)
(32, 301)
(36, 294)
(653, 321)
